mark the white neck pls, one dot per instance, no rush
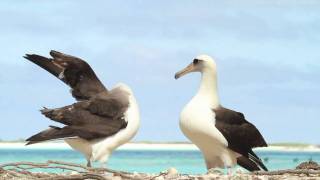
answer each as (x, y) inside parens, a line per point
(208, 88)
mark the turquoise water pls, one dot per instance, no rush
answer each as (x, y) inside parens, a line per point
(154, 161)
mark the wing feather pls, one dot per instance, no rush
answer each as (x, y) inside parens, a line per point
(73, 71)
(82, 120)
(241, 135)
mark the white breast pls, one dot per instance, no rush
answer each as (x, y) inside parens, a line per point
(103, 148)
(197, 122)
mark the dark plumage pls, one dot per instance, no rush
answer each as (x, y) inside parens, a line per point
(242, 136)
(99, 113)
(73, 71)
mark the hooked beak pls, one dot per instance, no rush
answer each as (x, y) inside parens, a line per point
(184, 71)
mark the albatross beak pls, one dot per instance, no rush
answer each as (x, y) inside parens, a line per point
(184, 71)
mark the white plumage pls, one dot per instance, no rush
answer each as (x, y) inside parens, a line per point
(101, 149)
(197, 120)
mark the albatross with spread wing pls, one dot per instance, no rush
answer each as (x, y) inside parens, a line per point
(100, 121)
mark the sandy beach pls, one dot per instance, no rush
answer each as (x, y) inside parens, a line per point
(150, 146)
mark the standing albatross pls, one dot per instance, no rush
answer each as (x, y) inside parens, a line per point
(100, 121)
(224, 136)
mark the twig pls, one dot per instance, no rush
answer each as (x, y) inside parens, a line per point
(38, 165)
(289, 171)
(23, 163)
(69, 164)
(20, 170)
(118, 173)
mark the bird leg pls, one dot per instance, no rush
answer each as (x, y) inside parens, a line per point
(89, 163)
(230, 171)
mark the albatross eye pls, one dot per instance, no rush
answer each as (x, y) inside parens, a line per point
(195, 61)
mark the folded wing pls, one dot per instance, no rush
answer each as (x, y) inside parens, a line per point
(241, 135)
(97, 118)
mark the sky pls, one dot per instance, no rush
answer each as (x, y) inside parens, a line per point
(267, 53)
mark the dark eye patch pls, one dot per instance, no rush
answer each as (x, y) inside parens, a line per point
(195, 61)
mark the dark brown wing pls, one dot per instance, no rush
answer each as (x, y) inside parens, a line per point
(247, 164)
(99, 117)
(71, 70)
(241, 135)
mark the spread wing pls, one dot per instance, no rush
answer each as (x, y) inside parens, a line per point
(99, 117)
(241, 135)
(73, 71)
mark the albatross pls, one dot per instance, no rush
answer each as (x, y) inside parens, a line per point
(100, 121)
(224, 136)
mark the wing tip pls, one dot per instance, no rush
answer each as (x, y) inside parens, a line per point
(251, 164)
(30, 139)
(55, 53)
(253, 157)
(37, 59)
(28, 56)
(263, 167)
(29, 143)
(44, 109)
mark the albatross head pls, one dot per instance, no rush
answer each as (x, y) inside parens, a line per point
(202, 63)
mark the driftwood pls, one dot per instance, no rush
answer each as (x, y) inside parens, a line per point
(306, 168)
(26, 170)
(76, 171)
(289, 171)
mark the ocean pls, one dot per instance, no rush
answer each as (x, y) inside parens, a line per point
(154, 161)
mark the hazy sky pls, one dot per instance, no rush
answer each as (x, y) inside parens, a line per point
(267, 51)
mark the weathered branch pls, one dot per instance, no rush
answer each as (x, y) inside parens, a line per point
(289, 171)
(20, 170)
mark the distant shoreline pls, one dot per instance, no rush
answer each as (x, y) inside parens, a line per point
(152, 146)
